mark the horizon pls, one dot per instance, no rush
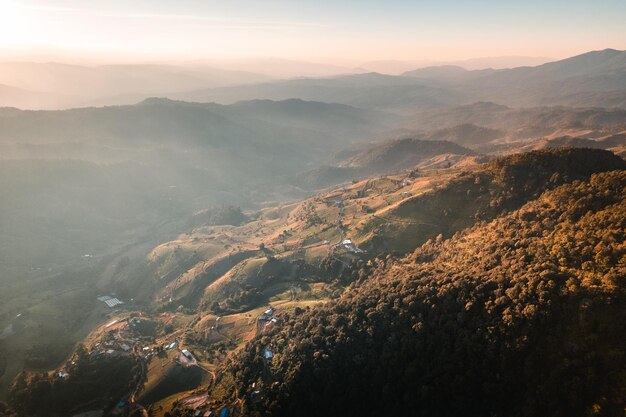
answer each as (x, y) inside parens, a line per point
(344, 34)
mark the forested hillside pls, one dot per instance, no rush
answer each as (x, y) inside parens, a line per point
(87, 380)
(521, 316)
(501, 185)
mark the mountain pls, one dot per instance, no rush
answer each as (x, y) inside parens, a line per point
(284, 68)
(222, 268)
(578, 81)
(157, 122)
(401, 154)
(592, 79)
(607, 60)
(66, 85)
(523, 123)
(369, 90)
(382, 158)
(467, 134)
(454, 136)
(612, 142)
(344, 122)
(19, 97)
(562, 82)
(481, 193)
(80, 177)
(498, 62)
(446, 72)
(531, 298)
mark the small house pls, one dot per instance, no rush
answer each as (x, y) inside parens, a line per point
(187, 354)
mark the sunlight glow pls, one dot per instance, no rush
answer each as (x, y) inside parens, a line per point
(15, 26)
(335, 32)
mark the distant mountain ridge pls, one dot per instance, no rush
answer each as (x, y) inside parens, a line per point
(596, 78)
(520, 122)
(57, 85)
(583, 80)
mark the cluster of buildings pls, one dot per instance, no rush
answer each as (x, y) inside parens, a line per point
(122, 338)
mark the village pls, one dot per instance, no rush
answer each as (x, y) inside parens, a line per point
(129, 333)
(181, 351)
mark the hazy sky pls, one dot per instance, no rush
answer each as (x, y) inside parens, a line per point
(331, 30)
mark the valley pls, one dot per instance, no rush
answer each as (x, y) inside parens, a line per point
(206, 290)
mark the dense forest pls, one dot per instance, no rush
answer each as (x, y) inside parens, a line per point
(88, 380)
(519, 316)
(226, 215)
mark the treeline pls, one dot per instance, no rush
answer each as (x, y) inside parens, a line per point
(218, 216)
(520, 316)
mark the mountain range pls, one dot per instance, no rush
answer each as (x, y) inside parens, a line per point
(352, 244)
(50, 85)
(591, 79)
(153, 160)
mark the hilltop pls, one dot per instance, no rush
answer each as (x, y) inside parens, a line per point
(389, 156)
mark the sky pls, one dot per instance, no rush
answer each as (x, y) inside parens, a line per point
(332, 31)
